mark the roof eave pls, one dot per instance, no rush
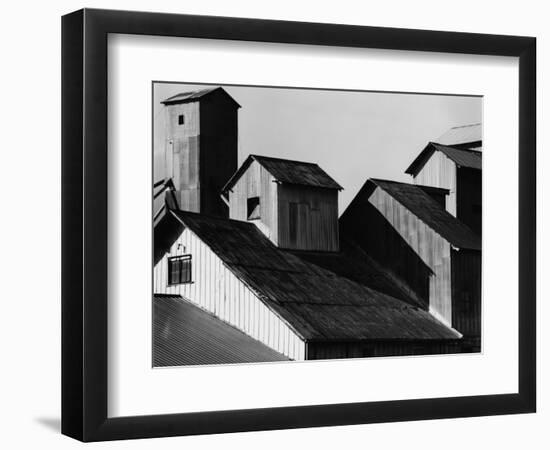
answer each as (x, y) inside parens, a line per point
(420, 160)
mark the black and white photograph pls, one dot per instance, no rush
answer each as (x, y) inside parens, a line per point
(295, 224)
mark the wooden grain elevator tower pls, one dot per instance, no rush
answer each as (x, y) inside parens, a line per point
(200, 149)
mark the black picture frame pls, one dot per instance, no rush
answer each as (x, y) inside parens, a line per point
(84, 224)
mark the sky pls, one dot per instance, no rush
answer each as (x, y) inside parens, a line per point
(352, 135)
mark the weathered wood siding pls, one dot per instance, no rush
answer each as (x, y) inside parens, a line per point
(182, 153)
(217, 290)
(466, 291)
(468, 206)
(219, 148)
(433, 250)
(256, 182)
(440, 171)
(321, 350)
(308, 218)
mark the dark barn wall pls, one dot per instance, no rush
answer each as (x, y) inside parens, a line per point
(468, 201)
(364, 224)
(320, 350)
(218, 150)
(307, 218)
(466, 295)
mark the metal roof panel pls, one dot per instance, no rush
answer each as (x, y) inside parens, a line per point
(316, 301)
(421, 204)
(184, 334)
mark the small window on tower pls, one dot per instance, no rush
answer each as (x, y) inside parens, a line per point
(181, 119)
(253, 208)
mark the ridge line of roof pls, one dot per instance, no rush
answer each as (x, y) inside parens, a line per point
(273, 158)
(254, 157)
(455, 147)
(421, 186)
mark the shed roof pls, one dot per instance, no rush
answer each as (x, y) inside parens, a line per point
(462, 135)
(184, 334)
(462, 157)
(415, 198)
(193, 96)
(287, 171)
(318, 303)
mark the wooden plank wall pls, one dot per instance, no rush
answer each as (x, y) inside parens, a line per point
(434, 251)
(308, 218)
(440, 171)
(182, 153)
(219, 148)
(466, 273)
(256, 182)
(217, 290)
(468, 207)
(321, 350)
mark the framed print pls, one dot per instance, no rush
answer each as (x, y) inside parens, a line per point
(274, 224)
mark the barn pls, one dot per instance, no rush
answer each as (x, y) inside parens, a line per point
(254, 263)
(292, 287)
(406, 228)
(453, 162)
(199, 152)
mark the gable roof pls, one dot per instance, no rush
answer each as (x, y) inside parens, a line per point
(317, 303)
(415, 198)
(462, 157)
(462, 135)
(163, 199)
(193, 96)
(287, 171)
(184, 334)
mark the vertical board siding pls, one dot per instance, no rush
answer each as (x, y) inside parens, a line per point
(434, 251)
(439, 171)
(256, 182)
(319, 350)
(182, 153)
(314, 226)
(466, 276)
(469, 197)
(216, 289)
(308, 218)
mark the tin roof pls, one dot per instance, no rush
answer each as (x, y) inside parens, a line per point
(466, 134)
(184, 334)
(287, 171)
(421, 204)
(462, 157)
(319, 304)
(192, 96)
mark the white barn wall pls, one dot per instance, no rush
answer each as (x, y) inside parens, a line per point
(256, 181)
(440, 171)
(430, 247)
(217, 290)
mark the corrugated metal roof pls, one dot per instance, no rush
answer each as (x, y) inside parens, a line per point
(191, 96)
(461, 135)
(463, 157)
(184, 334)
(288, 171)
(353, 263)
(416, 200)
(318, 303)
